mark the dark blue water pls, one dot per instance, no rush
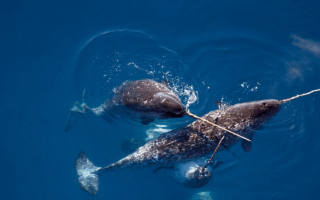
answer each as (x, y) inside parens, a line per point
(234, 51)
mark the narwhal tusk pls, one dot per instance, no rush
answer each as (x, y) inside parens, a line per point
(299, 95)
(214, 153)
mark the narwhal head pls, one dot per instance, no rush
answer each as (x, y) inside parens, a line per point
(264, 109)
(168, 105)
(197, 177)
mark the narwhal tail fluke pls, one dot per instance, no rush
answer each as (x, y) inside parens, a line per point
(88, 174)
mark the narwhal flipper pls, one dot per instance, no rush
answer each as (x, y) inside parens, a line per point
(216, 164)
(246, 145)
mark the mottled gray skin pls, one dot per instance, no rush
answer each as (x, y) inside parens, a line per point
(196, 140)
(149, 98)
(200, 138)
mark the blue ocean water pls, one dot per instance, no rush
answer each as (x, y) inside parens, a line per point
(231, 51)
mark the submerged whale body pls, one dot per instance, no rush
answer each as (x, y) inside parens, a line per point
(190, 174)
(195, 140)
(197, 177)
(194, 175)
(142, 99)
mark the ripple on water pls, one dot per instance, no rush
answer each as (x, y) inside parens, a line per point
(110, 58)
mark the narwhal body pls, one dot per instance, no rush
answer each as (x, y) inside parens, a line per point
(195, 140)
(145, 100)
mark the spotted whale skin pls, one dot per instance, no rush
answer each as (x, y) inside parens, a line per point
(195, 140)
(200, 138)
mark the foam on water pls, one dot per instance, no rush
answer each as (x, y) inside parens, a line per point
(187, 92)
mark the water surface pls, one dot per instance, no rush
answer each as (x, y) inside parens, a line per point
(231, 51)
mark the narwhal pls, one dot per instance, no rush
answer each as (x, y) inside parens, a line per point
(195, 140)
(142, 99)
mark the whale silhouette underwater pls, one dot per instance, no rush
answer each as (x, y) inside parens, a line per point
(193, 141)
(145, 100)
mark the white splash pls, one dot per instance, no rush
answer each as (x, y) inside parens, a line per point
(154, 133)
(248, 88)
(186, 92)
